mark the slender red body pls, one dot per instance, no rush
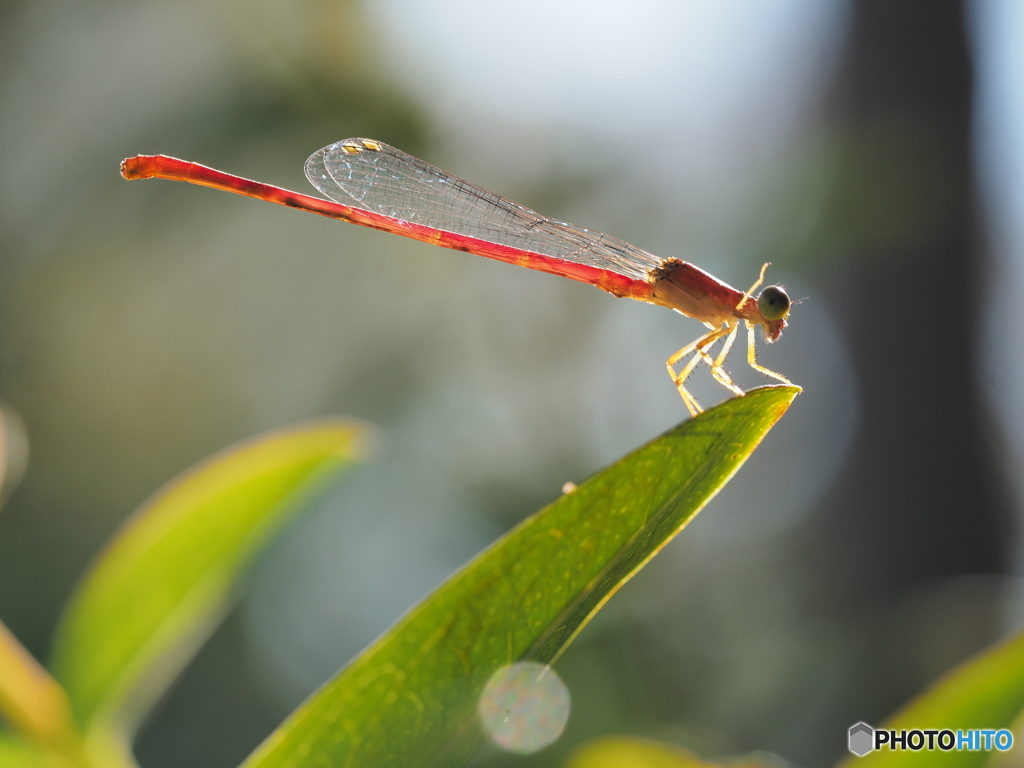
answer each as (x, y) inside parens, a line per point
(163, 167)
(676, 284)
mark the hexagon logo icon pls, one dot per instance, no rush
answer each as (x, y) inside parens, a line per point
(861, 739)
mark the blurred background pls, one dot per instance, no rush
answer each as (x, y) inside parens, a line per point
(872, 150)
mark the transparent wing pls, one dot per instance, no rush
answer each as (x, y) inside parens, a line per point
(375, 177)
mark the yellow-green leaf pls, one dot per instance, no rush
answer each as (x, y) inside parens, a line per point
(18, 753)
(166, 579)
(985, 692)
(31, 700)
(410, 699)
(632, 752)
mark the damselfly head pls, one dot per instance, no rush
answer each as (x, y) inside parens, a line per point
(773, 304)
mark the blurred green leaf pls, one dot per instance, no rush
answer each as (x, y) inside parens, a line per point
(986, 691)
(18, 752)
(410, 698)
(633, 752)
(31, 700)
(164, 582)
(15, 753)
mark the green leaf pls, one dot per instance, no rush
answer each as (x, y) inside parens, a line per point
(18, 753)
(31, 700)
(164, 582)
(985, 692)
(633, 752)
(410, 698)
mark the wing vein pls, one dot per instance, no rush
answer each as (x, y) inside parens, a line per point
(381, 179)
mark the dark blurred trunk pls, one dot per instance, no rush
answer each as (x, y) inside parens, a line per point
(920, 500)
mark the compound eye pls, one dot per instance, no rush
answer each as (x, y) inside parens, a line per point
(773, 303)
